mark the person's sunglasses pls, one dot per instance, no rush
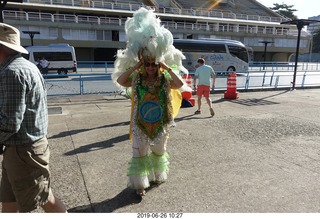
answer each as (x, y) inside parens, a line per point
(148, 64)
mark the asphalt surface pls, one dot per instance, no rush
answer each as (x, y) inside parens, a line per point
(259, 153)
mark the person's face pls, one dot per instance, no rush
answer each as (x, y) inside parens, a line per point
(151, 67)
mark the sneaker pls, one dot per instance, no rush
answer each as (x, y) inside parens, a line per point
(211, 112)
(197, 112)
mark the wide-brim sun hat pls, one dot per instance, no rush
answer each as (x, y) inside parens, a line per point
(10, 37)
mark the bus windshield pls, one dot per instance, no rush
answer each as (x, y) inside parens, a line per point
(239, 52)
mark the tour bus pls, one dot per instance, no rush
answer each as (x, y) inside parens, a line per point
(222, 54)
(62, 57)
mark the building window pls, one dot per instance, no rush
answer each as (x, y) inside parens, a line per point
(115, 35)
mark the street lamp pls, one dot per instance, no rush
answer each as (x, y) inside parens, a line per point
(300, 23)
(31, 34)
(265, 51)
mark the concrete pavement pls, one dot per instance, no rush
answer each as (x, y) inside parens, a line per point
(259, 153)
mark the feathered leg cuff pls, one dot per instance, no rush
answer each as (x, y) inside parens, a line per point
(160, 165)
(140, 172)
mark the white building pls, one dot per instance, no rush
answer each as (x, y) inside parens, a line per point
(96, 28)
(314, 26)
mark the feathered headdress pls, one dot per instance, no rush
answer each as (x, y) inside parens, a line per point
(147, 38)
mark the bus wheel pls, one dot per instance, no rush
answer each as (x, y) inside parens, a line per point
(231, 69)
(62, 71)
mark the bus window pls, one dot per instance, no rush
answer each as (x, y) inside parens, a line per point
(239, 52)
(53, 56)
(221, 54)
(201, 48)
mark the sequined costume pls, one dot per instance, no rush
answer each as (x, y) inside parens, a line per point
(154, 105)
(150, 132)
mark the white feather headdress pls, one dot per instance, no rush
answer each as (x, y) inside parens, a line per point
(145, 36)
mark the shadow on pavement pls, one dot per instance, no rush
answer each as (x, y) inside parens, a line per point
(191, 116)
(74, 132)
(98, 145)
(253, 102)
(124, 198)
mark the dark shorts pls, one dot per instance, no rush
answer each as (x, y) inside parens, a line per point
(26, 176)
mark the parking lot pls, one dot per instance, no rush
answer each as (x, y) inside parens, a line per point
(258, 154)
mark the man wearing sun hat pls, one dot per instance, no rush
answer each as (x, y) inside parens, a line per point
(25, 183)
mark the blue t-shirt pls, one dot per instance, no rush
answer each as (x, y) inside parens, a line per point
(203, 73)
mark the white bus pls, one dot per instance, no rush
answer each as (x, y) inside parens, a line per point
(222, 54)
(62, 57)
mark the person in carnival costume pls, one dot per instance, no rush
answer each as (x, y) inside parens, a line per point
(147, 69)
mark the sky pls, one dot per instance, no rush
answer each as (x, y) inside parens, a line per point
(305, 8)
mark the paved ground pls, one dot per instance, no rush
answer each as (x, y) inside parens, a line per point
(260, 153)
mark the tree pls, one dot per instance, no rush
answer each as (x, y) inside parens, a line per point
(316, 41)
(284, 9)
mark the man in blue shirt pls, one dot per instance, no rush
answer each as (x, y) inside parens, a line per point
(25, 182)
(203, 74)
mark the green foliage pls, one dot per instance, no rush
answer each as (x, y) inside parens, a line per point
(316, 41)
(284, 9)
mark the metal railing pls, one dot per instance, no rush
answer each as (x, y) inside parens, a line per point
(284, 66)
(84, 19)
(132, 6)
(277, 80)
(96, 79)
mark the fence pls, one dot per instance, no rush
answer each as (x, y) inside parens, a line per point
(285, 66)
(101, 83)
(132, 6)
